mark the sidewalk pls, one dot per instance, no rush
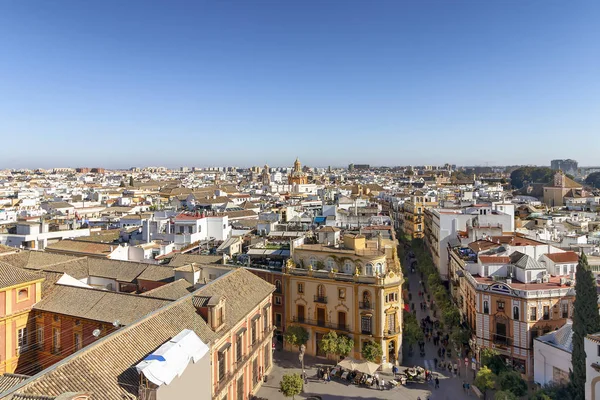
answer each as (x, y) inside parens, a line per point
(450, 385)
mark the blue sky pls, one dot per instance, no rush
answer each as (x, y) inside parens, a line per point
(133, 83)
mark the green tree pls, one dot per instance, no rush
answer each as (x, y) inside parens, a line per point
(291, 385)
(451, 317)
(341, 345)
(511, 381)
(295, 335)
(540, 395)
(345, 345)
(504, 395)
(411, 331)
(586, 320)
(371, 351)
(131, 180)
(460, 336)
(593, 179)
(485, 380)
(491, 359)
(523, 175)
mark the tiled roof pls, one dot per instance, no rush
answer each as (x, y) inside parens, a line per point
(107, 367)
(34, 259)
(98, 305)
(158, 273)
(10, 276)
(123, 271)
(7, 381)
(494, 260)
(182, 259)
(171, 291)
(7, 249)
(83, 247)
(566, 257)
(523, 261)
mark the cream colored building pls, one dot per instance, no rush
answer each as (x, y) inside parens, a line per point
(353, 289)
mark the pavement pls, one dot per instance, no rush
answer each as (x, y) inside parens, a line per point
(286, 362)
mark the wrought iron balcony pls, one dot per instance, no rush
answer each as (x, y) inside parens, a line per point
(321, 299)
(501, 340)
(323, 324)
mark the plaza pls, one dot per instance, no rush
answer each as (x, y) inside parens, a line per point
(287, 363)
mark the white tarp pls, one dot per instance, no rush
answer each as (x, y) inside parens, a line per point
(172, 358)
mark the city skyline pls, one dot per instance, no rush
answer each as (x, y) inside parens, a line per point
(118, 85)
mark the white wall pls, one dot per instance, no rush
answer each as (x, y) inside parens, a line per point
(591, 351)
(547, 357)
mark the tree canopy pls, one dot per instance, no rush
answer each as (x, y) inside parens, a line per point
(411, 331)
(586, 320)
(331, 343)
(485, 380)
(504, 395)
(295, 335)
(291, 385)
(520, 176)
(511, 381)
(593, 179)
(371, 351)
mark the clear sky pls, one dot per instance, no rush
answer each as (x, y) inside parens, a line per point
(198, 83)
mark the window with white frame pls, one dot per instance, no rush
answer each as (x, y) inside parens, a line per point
(330, 264)
(369, 269)
(348, 267)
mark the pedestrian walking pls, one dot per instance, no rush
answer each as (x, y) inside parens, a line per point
(395, 370)
(465, 386)
(382, 384)
(435, 361)
(437, 383)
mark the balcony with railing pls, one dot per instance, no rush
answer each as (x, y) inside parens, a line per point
(226, 379)
(322, 323)
(321, 299)
(501, 340)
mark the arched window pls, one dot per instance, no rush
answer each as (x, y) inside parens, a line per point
(369, 269)
(379, 268)
(348, 267)
(515, 313)
(278, 286)
(23, 294)
(313, 262)
(330, 264)
(321, 291)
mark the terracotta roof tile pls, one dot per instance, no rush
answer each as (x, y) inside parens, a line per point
(566, 257)
(109, 363)
(10, 276)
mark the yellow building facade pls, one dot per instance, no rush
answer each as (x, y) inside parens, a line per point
(17, 337)
(354, 289)
(413, 214)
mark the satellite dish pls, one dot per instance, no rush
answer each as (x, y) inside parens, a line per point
(96, 332)
(117, 323)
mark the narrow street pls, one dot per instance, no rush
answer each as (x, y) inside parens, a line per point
(451, 387)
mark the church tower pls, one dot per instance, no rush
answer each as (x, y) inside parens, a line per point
(297, 176)
(266, 176)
